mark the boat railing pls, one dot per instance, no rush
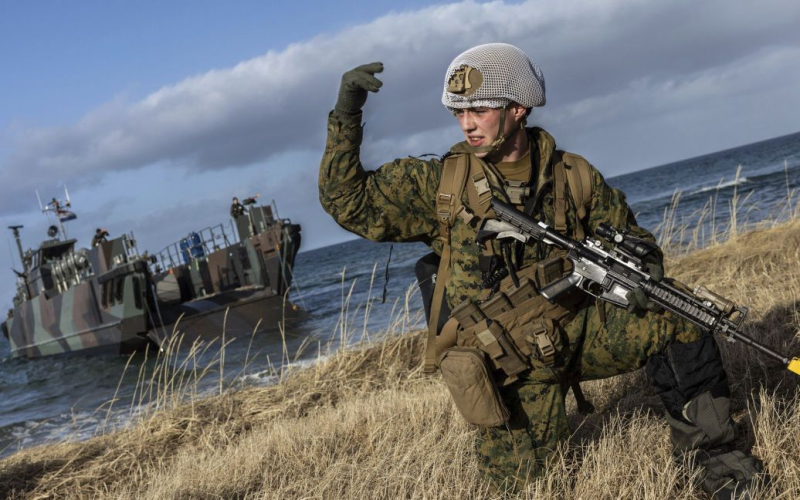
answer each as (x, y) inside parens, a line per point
(195, 245)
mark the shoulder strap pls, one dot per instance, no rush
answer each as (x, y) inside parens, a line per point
(573, 171)
(579, 177)
(559, 197)
(448, 204)
(455, 168)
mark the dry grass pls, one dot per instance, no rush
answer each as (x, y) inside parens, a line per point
(680, 233)
(365, 423)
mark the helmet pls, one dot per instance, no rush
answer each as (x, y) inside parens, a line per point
(493, 75)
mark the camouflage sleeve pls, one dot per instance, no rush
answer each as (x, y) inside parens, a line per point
(396, 202)
(610, 206)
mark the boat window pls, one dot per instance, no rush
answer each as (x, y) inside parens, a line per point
(104, 299)
(137, 293)
(120, 288)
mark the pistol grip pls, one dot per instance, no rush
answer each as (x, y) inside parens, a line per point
(552, 291)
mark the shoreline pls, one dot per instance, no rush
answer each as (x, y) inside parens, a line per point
(365, 422)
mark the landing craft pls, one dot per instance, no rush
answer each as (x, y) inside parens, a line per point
(111, 298)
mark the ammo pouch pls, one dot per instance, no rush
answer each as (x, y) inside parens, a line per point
(517, 328)
(467, 376)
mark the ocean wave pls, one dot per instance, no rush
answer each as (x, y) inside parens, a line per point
(65, 427)
(721, 185)
(268, 376)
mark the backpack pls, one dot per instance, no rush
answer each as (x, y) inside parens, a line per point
(569, 171)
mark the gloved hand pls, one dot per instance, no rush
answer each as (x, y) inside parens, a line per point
(637, 300)
(654, 266)
(354, 87)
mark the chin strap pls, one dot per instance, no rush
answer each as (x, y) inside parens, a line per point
(495, 146)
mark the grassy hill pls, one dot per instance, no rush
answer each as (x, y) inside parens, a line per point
(365, 422)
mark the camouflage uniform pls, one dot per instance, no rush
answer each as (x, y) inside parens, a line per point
(397, 203)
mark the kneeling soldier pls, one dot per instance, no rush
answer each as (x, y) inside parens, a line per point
(534, 350)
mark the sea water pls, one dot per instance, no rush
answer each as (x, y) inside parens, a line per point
(359, 288)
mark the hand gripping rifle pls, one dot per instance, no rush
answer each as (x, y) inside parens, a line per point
(610, 275)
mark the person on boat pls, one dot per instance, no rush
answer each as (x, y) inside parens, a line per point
(100, 236)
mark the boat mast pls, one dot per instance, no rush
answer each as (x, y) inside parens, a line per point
(60, 212)
(16, 229)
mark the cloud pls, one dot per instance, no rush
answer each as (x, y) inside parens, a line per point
(630, 84)
(650, 96)
(606, 63)
(661, 120)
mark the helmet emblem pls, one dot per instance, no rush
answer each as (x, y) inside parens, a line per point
(465, 80)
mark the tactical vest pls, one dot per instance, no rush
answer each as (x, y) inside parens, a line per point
(515, 326)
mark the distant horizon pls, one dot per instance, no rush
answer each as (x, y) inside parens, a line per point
(156, 117)
(703, 155)
(356, 237)
(635, 172)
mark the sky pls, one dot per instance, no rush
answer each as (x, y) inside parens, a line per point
(154, 114)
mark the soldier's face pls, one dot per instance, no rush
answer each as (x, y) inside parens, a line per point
(480, 125)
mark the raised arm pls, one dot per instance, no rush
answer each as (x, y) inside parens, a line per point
(393, 203)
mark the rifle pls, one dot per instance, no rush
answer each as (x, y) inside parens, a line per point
(610, 275)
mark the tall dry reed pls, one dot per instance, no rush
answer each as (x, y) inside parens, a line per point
(363, 422)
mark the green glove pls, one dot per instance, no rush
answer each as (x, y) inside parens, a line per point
(637, 300)
(654, 266)
(355, 84)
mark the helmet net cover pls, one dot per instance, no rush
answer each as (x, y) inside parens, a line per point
(508, 76)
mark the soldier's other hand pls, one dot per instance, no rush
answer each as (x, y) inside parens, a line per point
(355, 85)
(638, 303)
(654, 267)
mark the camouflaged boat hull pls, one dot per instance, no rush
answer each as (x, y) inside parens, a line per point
(120, 311)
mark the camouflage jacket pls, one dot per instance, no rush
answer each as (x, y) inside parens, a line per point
(396, 202)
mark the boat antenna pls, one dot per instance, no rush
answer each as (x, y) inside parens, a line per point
(45, 209)
(275, 210)
(58, 211)
(15, 230)
(70, 216)
(11, 254)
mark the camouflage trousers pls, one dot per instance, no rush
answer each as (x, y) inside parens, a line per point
(597, 349)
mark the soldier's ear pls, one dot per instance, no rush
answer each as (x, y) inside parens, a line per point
(518, 111)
